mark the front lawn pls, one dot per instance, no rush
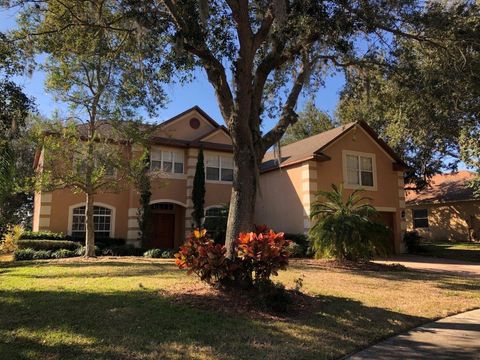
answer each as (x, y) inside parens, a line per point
(126, 308)
(466, 251)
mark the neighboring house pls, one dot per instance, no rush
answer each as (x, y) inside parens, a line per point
(446, 210)
(350, 154)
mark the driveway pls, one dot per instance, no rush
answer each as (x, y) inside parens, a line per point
(416, 262)
(455, 337)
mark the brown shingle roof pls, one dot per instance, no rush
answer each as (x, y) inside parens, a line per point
(311, 147)
(444, 188)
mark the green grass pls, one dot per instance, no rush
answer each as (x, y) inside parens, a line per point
(458, 251)
(120, 309)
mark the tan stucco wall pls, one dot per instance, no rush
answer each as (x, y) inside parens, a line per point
(448, 221)
(217, 194)
(168, 189)
(63, 199)
(279, 201)
(218, 137)
(180, 128)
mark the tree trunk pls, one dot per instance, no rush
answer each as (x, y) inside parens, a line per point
(242, 203)
(89, 227)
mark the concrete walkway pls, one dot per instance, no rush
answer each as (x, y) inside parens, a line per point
(416, 262)
(455, 337)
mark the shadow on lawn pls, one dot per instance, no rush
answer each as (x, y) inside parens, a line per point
(143, 324)
(115, 268)
(444, 280)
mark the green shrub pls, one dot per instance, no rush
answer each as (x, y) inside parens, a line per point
(123, 250)
(23, 254)
(299, 246)
(159, 253)
(153, 253)
(412, 242)
(103, 243)
(63, 253)
(42, 255)
(43, 235)
(346, 229)
(80, 251)
(168, 254)
(9, 240)
(47, 244)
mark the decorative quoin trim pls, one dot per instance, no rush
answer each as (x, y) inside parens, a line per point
(309, 187)
(45, 211)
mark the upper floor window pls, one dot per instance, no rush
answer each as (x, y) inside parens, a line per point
(359, 170)
(219, 168)
(102, 222)
(168, 161)
(420, 218)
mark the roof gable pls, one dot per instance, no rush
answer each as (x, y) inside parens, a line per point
(189, 125)
(313, 147)
(219, 135)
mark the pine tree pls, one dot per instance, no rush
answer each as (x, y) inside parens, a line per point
(198, 191)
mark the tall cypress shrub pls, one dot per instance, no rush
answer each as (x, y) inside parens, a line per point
(198, 191)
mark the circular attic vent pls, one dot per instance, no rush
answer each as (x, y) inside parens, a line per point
(194, 123)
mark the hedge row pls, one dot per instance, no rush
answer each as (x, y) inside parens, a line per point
(52, 245)
(43, 235)
(30, 254)
(38, 254)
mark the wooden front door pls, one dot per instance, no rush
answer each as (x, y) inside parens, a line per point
(163, 231)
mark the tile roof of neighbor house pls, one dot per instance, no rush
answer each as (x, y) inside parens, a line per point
(444, 188)
(311, 148)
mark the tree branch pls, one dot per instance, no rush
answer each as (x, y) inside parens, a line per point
(288, 116)
(215, 70)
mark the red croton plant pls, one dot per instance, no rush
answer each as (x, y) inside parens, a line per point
(260, 254)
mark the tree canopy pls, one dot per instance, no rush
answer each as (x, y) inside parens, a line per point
(311, 121)
(427, 103)
(16, 157)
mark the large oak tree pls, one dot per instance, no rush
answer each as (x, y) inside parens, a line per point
(260, 55)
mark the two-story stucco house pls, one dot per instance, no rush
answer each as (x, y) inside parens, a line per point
(351, 154)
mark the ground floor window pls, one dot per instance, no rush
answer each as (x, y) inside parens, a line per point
(102, 222)
(216, 222)
(420, 218)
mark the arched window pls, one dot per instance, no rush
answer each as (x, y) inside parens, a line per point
(102, 222)
(218, 211)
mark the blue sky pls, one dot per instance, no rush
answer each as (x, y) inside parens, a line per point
(198, 92)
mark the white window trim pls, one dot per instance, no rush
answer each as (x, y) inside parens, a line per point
(346, 185)
(172, 174)
(112, 216)
(219, 181)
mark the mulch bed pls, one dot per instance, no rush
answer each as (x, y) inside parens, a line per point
(238, 302)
